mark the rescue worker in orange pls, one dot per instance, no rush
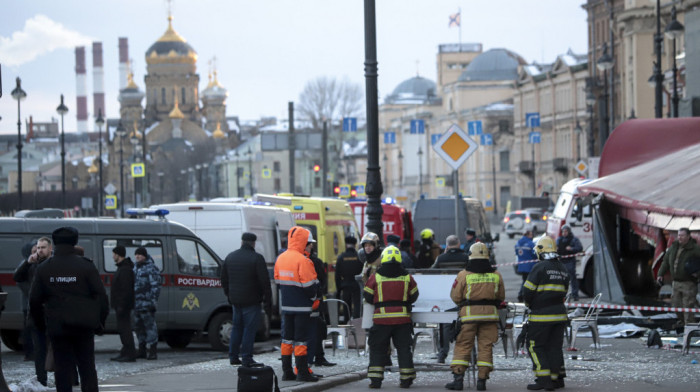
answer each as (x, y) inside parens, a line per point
(296, 277)
(392, 291)
(478, 290)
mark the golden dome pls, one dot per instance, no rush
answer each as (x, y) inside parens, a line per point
(218, 133)
(93, 169)
(176, 113)
(130, 81)
(170, 34)
(170, 48)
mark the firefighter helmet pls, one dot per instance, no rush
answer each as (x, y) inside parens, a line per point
(426, 234)
(391, 254)
(370, 237)
(479, 251)
(545, 245)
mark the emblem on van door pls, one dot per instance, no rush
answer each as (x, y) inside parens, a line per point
(190, 302)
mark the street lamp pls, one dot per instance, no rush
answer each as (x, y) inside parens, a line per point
(400, 169)
(578, 130)
(590, 101)
(100, 121)
(658, 76)
(198, 167)
(250, 170)
(674, 30)
(160, 180)
(62, 109)
(238, 174)
(121, 133)
(181, 186)
(420, 172)
(19, 95)
(134, 139)
(205, 168)
(604, 64)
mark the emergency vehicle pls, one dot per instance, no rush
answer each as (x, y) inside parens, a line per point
(395, 219)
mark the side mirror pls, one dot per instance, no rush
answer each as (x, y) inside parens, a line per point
(497, 237)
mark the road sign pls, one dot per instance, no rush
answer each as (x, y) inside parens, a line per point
(475, 128)
(266, 173)
(417, 127)
(350, 124)
(110, 189)
(344, 190)
(110, 202)
(486, 139)
(581, 167)
(532, 120)
(534, 137)
(138, 170)
(488, 205)
(440, 182)
(86, 203)
(389, 137)
(455, 146)
(360, 188)
(434, 138)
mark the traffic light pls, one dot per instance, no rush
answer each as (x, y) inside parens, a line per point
(317, 168)
(353, 193)
(336, 188)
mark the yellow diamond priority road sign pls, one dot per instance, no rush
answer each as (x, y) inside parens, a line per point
(581, 167)
(455, 146)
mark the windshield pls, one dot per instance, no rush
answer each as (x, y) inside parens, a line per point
(562, 207)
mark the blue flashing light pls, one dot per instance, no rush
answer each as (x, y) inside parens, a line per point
(389, 200)
(147, 211)
(298, 208)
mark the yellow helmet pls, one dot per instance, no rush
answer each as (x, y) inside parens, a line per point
(370, 237)
(426, 234)
(391, 254)
(479, 251)
(545, 245)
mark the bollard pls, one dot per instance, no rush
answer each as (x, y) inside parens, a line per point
(3, 383)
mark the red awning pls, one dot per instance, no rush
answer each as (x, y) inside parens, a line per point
(663, 193)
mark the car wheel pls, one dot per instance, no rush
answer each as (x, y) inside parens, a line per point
(178, 339)
(11, 339)
(220, 331)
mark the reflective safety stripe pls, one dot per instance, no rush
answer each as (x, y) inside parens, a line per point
(459, 362)
(533, 355)
(283, 282)
(543, 318)
(529, 285)
(542, 373)
(390, 315)
(479, 317)
(375, 372)
(407, 373)
(552, 287)
(482, 363)
(376, 368)
(381, 312)
(296, 308)
(369, 290)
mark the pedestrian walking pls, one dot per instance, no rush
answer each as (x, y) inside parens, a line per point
(24, 285)
(544, 293)
(246, 283)
(69, 302)
(146, 293)
(526, 257)
(568, 246)
(478, 290)
(685, 284)
(347, 266)
(122, 301)
(298, 283)
(391, 290)
(429, 250)
(24, 274)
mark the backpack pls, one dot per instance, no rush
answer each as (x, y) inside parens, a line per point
(654, 339)
(257, 378)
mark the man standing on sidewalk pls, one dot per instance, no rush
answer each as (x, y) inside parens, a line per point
(685, 285)
(246, 284)
(567, 248)
(122, 301)
(146, 291)
(525, 253)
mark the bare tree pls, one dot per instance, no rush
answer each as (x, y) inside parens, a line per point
(330, 99)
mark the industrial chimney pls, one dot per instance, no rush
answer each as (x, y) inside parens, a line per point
(98, 80)
(123, 62)
(81, 89)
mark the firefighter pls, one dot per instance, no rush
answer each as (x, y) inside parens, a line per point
(429, 250)
(478, 290)
(544, 293)
(370, 253)
(392, 291)
(296, 277)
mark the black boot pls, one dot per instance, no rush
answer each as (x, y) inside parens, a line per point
(558, 383)
(541, 383)
(481, 384)
(142, 351)
(375, 383)
(457, 384)
(153, 351)
(303, 373)
(405, 384)
(287, 371)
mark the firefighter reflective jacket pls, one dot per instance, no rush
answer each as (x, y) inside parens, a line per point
(544, 292)
(478, 289)
(392, 291)
(295, 274)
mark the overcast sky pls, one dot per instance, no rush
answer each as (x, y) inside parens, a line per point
(266, 50)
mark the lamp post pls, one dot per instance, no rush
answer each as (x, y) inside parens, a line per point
(199, 194)
(238, 175)
(420, 172)
(19, 95)
(121, 133)
(62, 109)
(658, 76)
(160, 181)
(134, 139)
(205, 189)
(250, 171)
(385, 159)
(400, 169)
(578, 130)
(181, 186)
(605, 63)
(590, 101)
(100, 121)
(674, 30)
(190, 179)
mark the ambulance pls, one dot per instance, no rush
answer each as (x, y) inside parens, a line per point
(395, 219)
(329, 220)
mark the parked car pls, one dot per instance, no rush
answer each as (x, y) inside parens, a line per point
(517, 221)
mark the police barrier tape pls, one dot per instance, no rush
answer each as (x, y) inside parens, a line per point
(633, 307)
(535, 260)
(670, 348)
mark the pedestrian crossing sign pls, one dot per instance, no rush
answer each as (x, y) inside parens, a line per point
(266, 173)
(111, 202)
(138, 170)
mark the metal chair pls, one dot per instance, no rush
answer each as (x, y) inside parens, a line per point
(335, 330)
(505, 329)
(689, 331)
(589, 321)
(430, 331)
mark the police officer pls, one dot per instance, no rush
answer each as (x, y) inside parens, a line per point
(429, 250)
(392, 291)
(146, 293)
(68, 301)
(478, 291)
(122, 301)
(544, 293)
(347, 266)
(298, 283)
(526, 256)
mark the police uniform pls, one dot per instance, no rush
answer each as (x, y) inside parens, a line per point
(544, 293)
(477, 290)
(392, 291)
(347, 266)
(68, 301)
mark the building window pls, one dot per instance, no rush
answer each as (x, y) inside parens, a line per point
(317, 182)
(503, 126)
(278, 185)
(504, 160)
(162, 95)
(276, 167)
(183, 95)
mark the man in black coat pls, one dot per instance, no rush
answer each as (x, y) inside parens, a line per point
(246, 283)
(122, 301)
(68, 301)
(347, 266)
